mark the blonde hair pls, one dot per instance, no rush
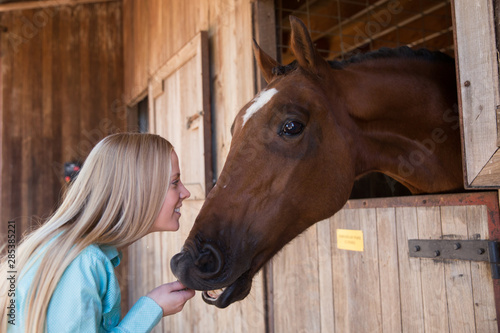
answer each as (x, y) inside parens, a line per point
(114, 201)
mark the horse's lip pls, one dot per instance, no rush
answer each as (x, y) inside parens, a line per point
(236, 291)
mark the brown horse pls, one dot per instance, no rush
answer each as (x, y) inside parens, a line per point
(299, 145)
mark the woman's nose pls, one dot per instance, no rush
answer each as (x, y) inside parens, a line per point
(185, 193)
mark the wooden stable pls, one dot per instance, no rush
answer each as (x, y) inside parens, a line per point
(382, 289)
(74, 71)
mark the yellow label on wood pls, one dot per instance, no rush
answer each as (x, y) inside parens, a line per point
(350, 240)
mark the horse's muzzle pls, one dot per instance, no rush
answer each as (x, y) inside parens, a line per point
(198, 269)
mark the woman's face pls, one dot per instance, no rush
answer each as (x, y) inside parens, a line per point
(168, 219)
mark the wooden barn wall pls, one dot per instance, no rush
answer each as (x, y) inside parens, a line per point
(320, 287)
(154, 32)
(61, 92)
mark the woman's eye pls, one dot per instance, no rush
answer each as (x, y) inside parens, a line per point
(291, 128)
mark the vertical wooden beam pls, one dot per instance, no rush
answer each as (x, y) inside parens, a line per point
(478, 87)
(25, 5)
(264, 31)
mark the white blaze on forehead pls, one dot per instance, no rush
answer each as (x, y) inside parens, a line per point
(258, 102)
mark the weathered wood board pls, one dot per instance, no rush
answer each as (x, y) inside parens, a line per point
(321, 288)
(179, 95)
(479, 94)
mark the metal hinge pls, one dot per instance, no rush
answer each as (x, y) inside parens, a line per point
(473, 250)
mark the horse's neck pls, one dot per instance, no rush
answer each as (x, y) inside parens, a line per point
(403, 124)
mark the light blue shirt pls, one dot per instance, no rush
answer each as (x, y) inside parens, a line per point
(87, 298)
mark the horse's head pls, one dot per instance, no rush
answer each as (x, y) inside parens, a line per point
(289, 166)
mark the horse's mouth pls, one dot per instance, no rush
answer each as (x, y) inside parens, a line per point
(211, 296)
(225, 296)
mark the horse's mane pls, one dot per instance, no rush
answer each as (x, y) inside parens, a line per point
(382, 53)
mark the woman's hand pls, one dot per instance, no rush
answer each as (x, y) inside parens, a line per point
(171, 297)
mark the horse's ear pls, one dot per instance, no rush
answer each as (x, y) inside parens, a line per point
(303, 48)
(265, 62)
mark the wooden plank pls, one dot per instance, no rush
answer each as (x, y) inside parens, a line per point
(5, 76)
(264, 22)
(296, 278)
(489, 199)
(156, 30)
(485, 312)
(412, 313)
(27, 5)
(117, 110)
(180, 113)
(325, 274)
(185, 54)
(128, 51)
(155, 269)
(356, 280)
(70, 54)
(141, 51)
(206, 106)
(92, 134)
(38, 161)
(84, 66)
(102, 70)
(418, 29)
(490, 173)
(458, 273)
(340, 274)
(432, 274)
(354, 33)
(389, 270)
(26, 144)
(372, 313)
(50, 181)
(477, 69)
(131, 268)
(232, 60)
(344, 27)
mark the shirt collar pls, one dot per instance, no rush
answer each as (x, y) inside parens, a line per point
(112, 254)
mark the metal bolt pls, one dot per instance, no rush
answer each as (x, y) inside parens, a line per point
(457, 246)
(416, 248)
(481, 251)
(437, 253)
(467, 83)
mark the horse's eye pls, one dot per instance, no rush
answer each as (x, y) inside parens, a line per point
(292, 127)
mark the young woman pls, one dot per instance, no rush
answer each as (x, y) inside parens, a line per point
(129, 186)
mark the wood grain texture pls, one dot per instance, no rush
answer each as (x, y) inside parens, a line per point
(388, 267)
(54, 108)
(432, 274)
(61, 70)
(458, 273)
(181, 111)
(485, 312)
(476, 57)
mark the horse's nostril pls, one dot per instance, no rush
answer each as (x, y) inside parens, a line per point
(210, 260)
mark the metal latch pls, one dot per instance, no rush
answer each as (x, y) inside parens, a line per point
(474, 250)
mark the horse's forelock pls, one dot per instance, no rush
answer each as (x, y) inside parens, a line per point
(285, 69)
